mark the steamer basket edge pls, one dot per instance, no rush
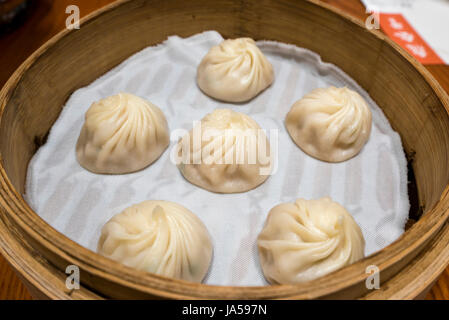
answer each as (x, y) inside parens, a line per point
(24, 232)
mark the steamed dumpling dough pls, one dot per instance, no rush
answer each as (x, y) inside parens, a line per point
(308, 239)
(330, 124)
(159, 237)
(122, 134)
(235, 71)
(232, 156)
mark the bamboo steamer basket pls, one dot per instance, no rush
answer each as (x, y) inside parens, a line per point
(31, 101)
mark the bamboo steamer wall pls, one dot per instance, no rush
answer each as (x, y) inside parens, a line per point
(31, 101)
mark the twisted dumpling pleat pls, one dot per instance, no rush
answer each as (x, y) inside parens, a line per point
(308, 239)
(160, 237)
(235, 71)
(331, 124)
(230, 153)
(122, 134)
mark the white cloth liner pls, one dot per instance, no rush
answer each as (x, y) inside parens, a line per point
(77, 203)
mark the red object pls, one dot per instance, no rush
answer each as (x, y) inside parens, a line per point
(401, 32)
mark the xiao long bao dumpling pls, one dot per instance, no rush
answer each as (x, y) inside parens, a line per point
(227, 152)
(235, 71)
(308, 239)
(122, 134)
(160, 237)
(331, 124)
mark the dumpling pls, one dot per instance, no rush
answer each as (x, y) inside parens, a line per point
(331, 124)
(227, 152)
(308, 239)
(122, 134)
(160, 237)
(235, 71)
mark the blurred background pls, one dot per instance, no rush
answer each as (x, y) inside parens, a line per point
(420, 26)
(11, 12)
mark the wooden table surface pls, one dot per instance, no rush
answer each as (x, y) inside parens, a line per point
(48, 18)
